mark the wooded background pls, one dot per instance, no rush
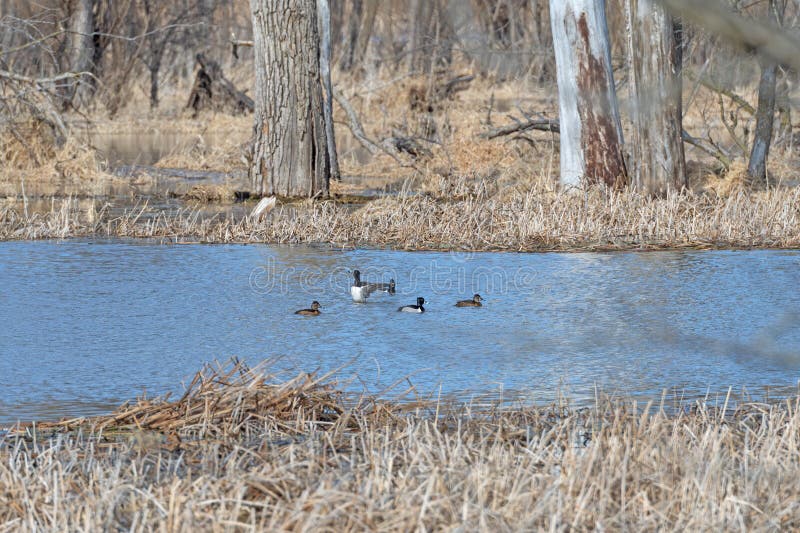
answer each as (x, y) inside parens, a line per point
(93, 57)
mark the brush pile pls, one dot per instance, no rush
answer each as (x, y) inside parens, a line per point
(223, 402)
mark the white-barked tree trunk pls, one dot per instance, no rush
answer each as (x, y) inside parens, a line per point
(591, 134)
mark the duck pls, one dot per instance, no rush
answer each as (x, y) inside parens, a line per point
(361, 290)
(475, 302)
(314, 311)
(414, 308)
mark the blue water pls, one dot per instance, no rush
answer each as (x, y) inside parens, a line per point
(86, 325)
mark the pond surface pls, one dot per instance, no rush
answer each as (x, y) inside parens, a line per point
(86, 325)
(148, 147)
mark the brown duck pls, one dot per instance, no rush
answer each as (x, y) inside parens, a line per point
(475, 302)
(314, 311)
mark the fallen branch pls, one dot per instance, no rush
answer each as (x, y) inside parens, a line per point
(707, 147)
(355, 124)
(391, 146)
(541, 124)
(408, 145)
(455, 85)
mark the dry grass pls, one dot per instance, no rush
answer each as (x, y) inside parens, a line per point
(537, 219)
(241, 451)
(210, 193)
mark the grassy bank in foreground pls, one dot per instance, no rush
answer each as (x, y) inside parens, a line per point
(481, 217)
(241, 452)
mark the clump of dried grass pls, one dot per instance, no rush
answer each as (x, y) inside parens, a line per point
(28, 145)
(209, 193)
(241, 450)
(36, 159)
(730, 182)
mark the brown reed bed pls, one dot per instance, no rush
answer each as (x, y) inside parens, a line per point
(243, 451)
(481, 217)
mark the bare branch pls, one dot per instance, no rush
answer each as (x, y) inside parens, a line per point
(355, 123)
(32, 43)
(707, 147)
(42, 81)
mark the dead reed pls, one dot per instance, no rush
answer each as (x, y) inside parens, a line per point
(481, 217)
(242, 451)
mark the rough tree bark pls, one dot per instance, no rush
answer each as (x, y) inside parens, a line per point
(81, 48)
(657, 162)
(765, 113)
(290, 154)
(591, 134)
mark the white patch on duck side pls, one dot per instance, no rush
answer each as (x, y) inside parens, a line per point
(359, 294)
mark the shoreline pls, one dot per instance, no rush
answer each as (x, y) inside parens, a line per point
(539, 220)
(241, 448)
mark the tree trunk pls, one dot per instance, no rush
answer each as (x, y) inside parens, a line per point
(81, 48)
(324, 15)
(290, 154)
(591, 135)
(657, 162)
(154, 69)
(367, 27)
(353, 25)
(757, 167)
(429, 37)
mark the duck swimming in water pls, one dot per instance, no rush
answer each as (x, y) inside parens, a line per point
(314, 311)
(414, 308)
(475, 302)
(361, 290)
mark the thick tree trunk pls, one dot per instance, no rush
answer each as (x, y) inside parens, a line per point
(591, 134)
(757, 167)
(290, 154)
(657, 162)
(81, 48)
